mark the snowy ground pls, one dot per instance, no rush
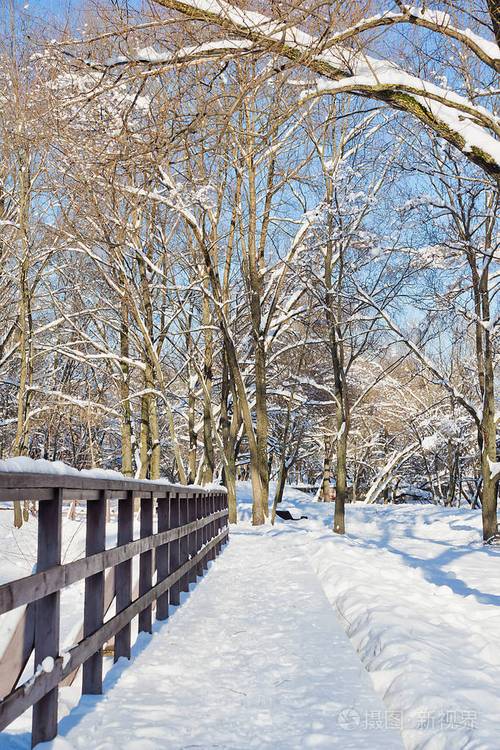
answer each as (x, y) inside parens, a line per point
(419, 596)
(18, 551)
(257, 658)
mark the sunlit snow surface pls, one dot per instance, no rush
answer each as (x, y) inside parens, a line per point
(257, 656)
(419, 596)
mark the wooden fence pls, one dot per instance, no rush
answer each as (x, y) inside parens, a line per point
(191, 530)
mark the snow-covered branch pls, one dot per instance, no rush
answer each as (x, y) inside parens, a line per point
(449, 115)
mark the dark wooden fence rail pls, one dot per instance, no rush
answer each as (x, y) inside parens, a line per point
(191, 530)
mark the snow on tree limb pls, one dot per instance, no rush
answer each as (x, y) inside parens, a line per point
(384, 476)
(423, 358)
(193, 53)
(449, 115)
(486, 50)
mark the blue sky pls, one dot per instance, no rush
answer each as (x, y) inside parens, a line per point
(39, 10)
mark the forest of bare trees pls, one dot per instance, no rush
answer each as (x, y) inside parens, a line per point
(237, 245)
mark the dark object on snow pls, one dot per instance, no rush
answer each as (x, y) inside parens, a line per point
(495, 539)
(287, 516)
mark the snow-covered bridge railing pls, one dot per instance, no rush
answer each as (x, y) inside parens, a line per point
(191, 528)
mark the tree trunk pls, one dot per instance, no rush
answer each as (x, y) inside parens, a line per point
(484, 357)
(230, 484)
(453, 459)
(255, 266)
(341, 474)
(192, 435)
(326, 489)
(25, 323)
(284, 466)
(488, 452)
(208, 445)
(126, 413)
(262, 422)
(229, 426)
(154, 436)
(258, 515)
(280, 487)
(144, 438)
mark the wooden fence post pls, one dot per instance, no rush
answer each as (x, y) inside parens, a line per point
(192, 537)
(226, 521)
(174, 548)
(205, 532)
(183, 547)
(123, 573)
(105, 573)
(95, 541)
(146, 564)
(220, 523)
(213, 525)
(209, 526)
(47, 614)
(216, 523)
(199, 533)
(162, 555)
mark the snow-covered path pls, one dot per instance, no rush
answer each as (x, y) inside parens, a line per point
(254, 658)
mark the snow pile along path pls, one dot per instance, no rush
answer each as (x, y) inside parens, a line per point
(419, 596)
(424, 621)
(254, 658)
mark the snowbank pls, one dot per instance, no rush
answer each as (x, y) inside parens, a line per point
(419, 596)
